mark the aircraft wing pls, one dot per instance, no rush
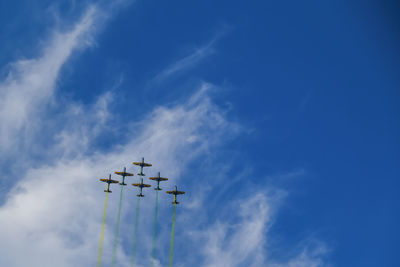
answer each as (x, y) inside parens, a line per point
(109, 181)
(142, 164)
(124, 174)
(158, 178)
(142, 185)
(179, 192)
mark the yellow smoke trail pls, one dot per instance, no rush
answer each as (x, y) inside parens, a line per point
(114, 256)
(102, 233)
(171, 247)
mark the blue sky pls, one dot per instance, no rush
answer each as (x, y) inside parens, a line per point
(279, 119)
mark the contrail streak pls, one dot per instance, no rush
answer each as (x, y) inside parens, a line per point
(102, 233)
(116, 235)
(135, 232)
(153, 253)
(171, 247)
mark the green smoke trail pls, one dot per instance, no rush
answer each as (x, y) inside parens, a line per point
(171, 247)
(135, 232)
(153, 253)
(114, 257)
(102, 233)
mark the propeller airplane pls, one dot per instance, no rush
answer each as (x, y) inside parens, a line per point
(158, 179)
(123, 174)
(175, 193)
(141, 185)
(109, 181)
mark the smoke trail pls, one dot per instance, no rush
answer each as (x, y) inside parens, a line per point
(102, 233)
(114, 257)
(153, 253)
(171, 247)
(135, 232)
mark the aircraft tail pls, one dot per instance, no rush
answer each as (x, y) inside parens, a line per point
(108, 191)
(140, 195)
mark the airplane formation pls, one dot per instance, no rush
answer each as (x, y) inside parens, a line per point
(141, 184)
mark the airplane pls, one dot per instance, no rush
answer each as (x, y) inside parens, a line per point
(175, 193)
(109, 181)
(141, 185)
(142, 164)
(158, 179)
(123, 174)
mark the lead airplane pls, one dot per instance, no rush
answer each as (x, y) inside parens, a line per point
(175, 193)
(141, 185)
(142, 164)
(109, 181)
(123, 174)
(158, 179)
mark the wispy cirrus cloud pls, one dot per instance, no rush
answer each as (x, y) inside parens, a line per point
(30, 85)
(244, 241)
(57, 207)
(53, 212)
(61, 216)
(189, 61)
(28, 89)
(186, 62)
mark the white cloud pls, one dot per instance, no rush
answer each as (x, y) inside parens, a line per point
(191, 60)
(234, 243)
(30, 84)
(243, 241)
(186, 62)
(57, 208)
(52, 216)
